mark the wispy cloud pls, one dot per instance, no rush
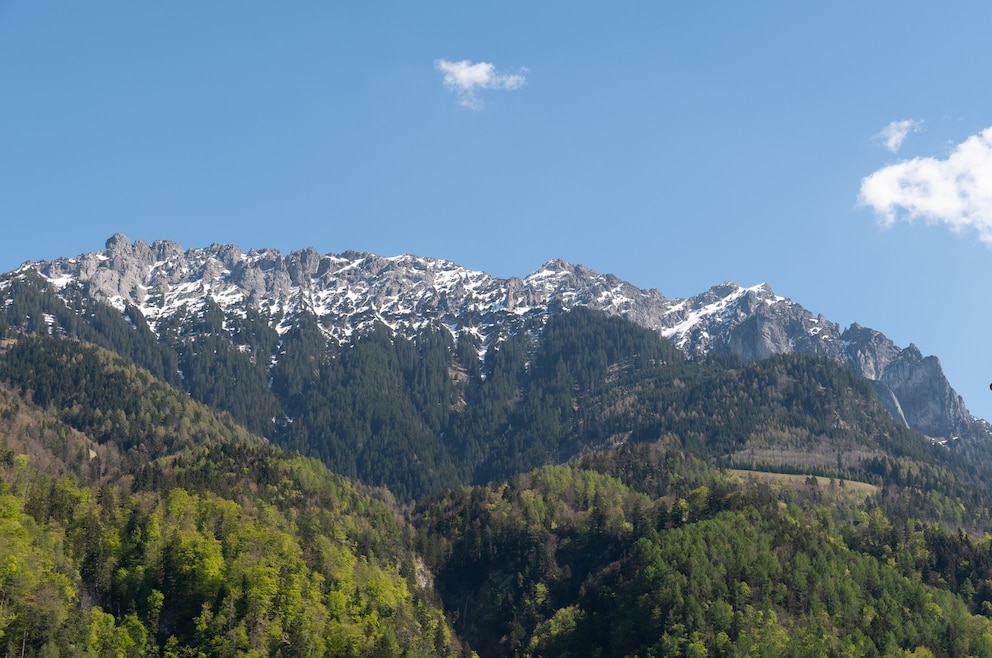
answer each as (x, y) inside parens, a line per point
(893, 135)
(464, 78)
(956, 191)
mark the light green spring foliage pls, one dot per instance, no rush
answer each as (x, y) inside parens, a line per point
(195, 540)
(181, 572)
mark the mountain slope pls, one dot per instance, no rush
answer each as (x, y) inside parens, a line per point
(644, 552)
(134, 521)
(192, 537)
(350, 293)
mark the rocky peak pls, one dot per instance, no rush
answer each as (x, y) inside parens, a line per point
(869, 352)
(302, 266)
(925, 397)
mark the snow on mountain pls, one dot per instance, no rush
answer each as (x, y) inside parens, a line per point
(347, 292)
(351, 291)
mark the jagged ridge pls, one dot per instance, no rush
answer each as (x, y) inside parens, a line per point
(352, 291)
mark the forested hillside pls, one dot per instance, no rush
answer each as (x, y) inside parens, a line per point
(423, 414)
(579, 489)
(136, 522)
(651, 553)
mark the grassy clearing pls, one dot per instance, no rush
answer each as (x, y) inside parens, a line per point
(852, 486)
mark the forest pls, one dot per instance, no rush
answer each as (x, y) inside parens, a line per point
(583, 489)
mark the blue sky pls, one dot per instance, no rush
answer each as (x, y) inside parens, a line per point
(674, 144)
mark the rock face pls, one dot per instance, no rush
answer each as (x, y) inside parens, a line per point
(912, 387)
(352, 291)
(754, 323)
(928, 402)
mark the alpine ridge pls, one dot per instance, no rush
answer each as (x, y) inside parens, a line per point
(354, 291)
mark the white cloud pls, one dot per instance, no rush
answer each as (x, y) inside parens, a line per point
(956, 191)
(895, 133)
(464, 78)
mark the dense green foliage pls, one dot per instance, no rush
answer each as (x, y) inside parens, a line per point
(374, 411)
(223, 362)
(421, 415)
(191, 537)
(572, 561)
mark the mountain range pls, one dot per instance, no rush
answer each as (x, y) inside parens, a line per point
(351, 292)
(207, 452)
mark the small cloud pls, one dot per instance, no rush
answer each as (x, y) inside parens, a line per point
(956, 191)
(893, 135)
(464, 78)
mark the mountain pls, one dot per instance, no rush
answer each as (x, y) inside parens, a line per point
(506, 467)
(352, 292)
